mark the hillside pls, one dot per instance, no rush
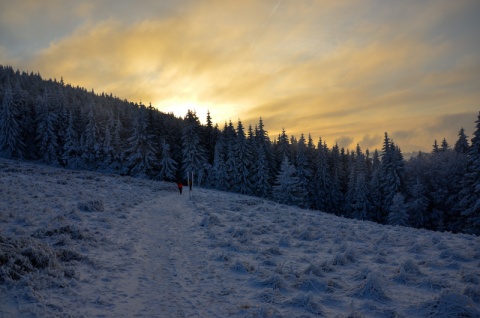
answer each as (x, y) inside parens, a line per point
(85, 244)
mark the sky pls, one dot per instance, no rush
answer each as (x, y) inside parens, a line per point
(345, 71)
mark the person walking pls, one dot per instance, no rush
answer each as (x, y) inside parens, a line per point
(180, 186)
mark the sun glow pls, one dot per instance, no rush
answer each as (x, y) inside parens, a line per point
(180, 107)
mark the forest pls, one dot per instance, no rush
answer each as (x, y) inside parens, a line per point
(54, 123)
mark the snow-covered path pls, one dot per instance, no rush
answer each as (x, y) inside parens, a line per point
(168, 274)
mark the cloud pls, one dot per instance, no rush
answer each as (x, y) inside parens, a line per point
(371, 142)
(329, 68)
(449, 125)
(344, 141)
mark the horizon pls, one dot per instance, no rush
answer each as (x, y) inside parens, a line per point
(345, 72)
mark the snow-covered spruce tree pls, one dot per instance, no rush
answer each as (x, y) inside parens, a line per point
(141, 159)
(46, 136)
(253, 156)
(435, 148)
(418, 205)
(349, 195)
(469, 197)
(287, 188)
(263, 187)
(108, 152)
(360, 205)
(446, 169)
(118, 142)
(343, 177)
(461, 146)
(218, 175)
(303, 173)
(11, 144)
(375, 195)
(293, 150)
(445, 146)
(243, 162)
(193, 154)
(282, 149)
(71, 146)
(168, 166)
(311, 154)
(210, 138)
(264, 141)
(391, 171)
(90, 144)
(26, 112)
(62, 113)
(261, 170)
(397, 214)
(230, 137)
(336, 197)
(322, 181)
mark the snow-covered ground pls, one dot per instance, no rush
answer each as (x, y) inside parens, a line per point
(85, 244)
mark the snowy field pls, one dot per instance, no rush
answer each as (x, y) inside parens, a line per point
(84, 244)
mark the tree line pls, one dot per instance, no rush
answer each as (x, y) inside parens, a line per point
(58, 124)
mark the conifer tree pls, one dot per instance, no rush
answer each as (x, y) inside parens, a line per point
(304, 174)
(46, 136)
(11, 144)
(359, 202)
(61, 111)
(417, 208)
(230, 160)
(118, 142)
(90, 136)
(322, 180)
(141, 159)
(349, 195)
(194, 160)
(218, 176)
(264, 141)
(391, 171)
(344, 168)
(445, 173)
(469, 203)
(461, 146)
(286, 189)
(25, 112)
(397, 213)
(243, 162)
(336, 197)
(261, 169)
(210, 139)
(107, 147)
(168, 166)
(445, 145)
(435, 148)
(71, 147)
(282, 149)
(375, 193)
(262, 186)
(311, 154)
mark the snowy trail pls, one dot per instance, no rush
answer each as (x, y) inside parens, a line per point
(167, 278)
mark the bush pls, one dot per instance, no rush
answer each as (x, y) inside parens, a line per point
(23, 255)
(450, 305)
(91, 206)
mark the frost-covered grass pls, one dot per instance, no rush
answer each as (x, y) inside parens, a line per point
(86, 244)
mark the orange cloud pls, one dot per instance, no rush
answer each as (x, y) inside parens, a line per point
(329, 68)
